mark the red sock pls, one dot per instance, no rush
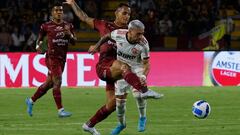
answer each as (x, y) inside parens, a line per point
(57, 96)
(40, 91)
(100, 115)
(134, 81)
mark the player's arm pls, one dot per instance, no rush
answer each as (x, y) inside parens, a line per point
(80, 13)
(69, 33)
(146, 66)
(39, 41)
(93, 49)
(145, 56)
(72, 38)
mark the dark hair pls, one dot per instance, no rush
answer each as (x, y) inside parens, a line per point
(123, 5)
(57, 4)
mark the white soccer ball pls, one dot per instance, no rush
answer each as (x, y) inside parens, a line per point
(201, 109)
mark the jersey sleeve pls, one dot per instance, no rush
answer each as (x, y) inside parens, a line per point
(118, 34)
(99, 24)
(72, 28)
(114, 35)
(42, 32)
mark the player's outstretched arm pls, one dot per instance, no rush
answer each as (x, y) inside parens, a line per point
(105, 38)
(80, 13)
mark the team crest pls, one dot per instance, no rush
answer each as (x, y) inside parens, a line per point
(135, 51)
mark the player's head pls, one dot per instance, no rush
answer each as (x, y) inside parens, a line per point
(122, 14)
(135, 31)
(57, 11)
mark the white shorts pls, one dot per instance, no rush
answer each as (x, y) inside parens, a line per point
(122, 87)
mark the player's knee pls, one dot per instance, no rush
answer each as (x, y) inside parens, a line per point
(111, 104)
(136, 94)
(115, 69)
(57, 80)
(124, 67)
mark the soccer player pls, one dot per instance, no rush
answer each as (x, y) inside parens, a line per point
(133, 49)
(108, 69)
(59, 34)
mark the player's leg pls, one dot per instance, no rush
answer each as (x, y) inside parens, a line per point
(103, 112)
(57, 67)
(120, 109)
(120, 69)
(42, 90)
(142, 107)
(121, 97)
(141, 103)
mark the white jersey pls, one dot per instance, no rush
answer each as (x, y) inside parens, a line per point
(131, 54)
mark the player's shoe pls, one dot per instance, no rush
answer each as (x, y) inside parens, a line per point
(29, 106)
(63, 114)
(91, 130)
(142, 124)
(118, 129)
(151, 94)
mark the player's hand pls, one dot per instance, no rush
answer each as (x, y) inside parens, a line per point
(143, 80)
(69, 2)
(67, 32)
(38, 48)
(92, 49)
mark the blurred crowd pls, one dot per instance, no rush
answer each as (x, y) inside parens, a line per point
(20, 19)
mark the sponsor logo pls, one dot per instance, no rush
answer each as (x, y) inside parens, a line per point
(121, 32)
(58, 28)
(225, 69)
(60, 34)
(126, 56)
(60, 42)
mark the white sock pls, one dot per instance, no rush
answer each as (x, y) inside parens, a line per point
(142, 106)
(61, 109)
(120, 109)
(30, 99)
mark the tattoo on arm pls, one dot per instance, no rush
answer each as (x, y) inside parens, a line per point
(82, 15)
(103, 39)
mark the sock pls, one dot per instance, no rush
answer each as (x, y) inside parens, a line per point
(61, 109)
(30, 99)
(100, 115)
(142, 106)
(121, 109)
(41, 91)
(134, 81)
(57, 96)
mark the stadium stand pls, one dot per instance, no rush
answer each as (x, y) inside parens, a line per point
(189, 19)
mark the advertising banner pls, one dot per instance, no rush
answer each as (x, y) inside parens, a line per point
(167, 69)
(29, 70)
(222, 68)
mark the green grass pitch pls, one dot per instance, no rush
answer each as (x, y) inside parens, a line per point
(169, 116)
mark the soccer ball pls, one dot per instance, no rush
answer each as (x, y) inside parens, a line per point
(201, 109)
